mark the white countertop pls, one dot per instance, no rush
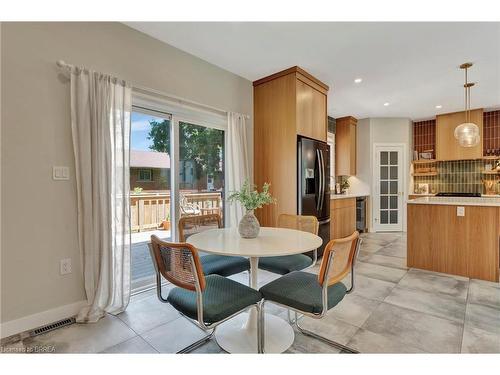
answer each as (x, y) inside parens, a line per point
(458, 201)
(343, 196)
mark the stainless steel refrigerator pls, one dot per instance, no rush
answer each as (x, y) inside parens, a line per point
(313, 176)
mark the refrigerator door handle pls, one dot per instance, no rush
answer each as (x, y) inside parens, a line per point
(322, 196)
(320, 177)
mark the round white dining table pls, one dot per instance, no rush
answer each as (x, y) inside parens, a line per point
(239, 334)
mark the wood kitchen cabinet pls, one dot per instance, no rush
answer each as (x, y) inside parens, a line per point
(286, 104)
(447, 147)
(345, 146)
(311, 111)
(342, 217)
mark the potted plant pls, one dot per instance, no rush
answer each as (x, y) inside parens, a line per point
(166, 223)
(251, 199)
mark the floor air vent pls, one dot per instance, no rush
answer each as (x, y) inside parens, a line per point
(52, 326)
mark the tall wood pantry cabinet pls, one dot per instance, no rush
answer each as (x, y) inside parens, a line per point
(286, 104)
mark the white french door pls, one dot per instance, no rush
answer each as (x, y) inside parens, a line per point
(389, 181)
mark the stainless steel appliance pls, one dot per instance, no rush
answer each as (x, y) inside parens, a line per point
(361, 214)
(313, 176)
(458, 194)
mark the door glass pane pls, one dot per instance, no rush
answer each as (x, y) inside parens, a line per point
(394, 187)
(201, 170)
(384, 173)
(394, 202)
(383, 202)
(384, 156)
(394, 217)
(394, 158)
(384, 188)
(394, 173)
(149, 190)
(384, 217)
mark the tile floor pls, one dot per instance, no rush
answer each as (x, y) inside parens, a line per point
(392, 310)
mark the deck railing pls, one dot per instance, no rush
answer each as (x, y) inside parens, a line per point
(149, 210)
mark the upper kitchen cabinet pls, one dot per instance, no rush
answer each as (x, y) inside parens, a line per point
(311, 108)
(447, 147)
(286, 104)
(345, 146)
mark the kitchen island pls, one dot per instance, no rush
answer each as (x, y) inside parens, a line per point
(455, 235)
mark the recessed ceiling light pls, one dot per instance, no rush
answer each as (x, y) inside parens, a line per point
(358, 80)
(439, 106)
(386, 104)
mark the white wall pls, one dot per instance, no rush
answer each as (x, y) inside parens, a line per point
(39, 214)
(379, 130)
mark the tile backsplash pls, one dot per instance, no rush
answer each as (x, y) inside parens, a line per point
(463, 176)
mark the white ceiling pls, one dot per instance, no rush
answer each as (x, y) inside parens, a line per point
(413, 66)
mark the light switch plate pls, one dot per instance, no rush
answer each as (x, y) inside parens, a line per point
(460, 211)
(60, 173)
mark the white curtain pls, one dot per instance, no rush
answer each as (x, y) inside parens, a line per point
(100, 121)
(238, 166)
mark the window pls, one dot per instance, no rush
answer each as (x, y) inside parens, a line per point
(145, 175)
(331, 143)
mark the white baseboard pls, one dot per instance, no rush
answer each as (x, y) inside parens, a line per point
(26, 323)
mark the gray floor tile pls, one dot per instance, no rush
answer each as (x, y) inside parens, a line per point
(354, 310)
(484, 317)
(307, 345)
(371, 288)
(376, 271)
(366, 341)
(430, 303)
(484, 293)
(146, 313)
(387, 261)
(173, 336)
(394, 250)
(136, 345)
(435, 283)
(478, 341)
(331, 328)
(210, 347)
(370, 247)
(424, 331)
(85, 338)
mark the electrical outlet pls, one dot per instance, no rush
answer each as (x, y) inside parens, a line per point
(65, 266)
(460, 211)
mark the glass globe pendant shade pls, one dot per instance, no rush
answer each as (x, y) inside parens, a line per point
(467, 134)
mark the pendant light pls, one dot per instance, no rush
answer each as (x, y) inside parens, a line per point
(467, 133)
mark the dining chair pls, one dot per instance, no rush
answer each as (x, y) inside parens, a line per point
(206, 301)
(212, 264)
(313, 295)
(289, 263)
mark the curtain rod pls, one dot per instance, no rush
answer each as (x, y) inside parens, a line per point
(147, 90)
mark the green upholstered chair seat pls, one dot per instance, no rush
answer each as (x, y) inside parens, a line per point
(285, 264)
(223, 265)
(302, 291)
(222, 298)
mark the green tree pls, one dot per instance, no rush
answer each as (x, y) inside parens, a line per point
(160, 135)
(198, 144)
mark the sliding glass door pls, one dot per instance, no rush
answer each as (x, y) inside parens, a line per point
(201, 169)
(176, 169)
(150, 189)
